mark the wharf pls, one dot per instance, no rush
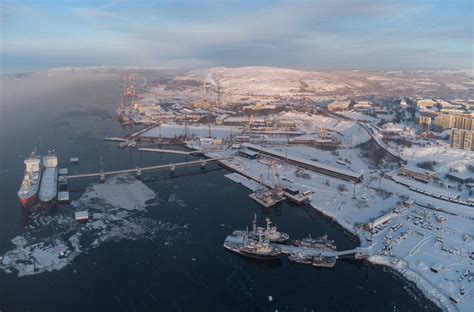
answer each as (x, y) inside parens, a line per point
(169, 151)
(298, 198)
(240, 179)
(266, 198)
(114, 139)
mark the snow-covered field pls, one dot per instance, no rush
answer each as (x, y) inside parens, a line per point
(446, 158)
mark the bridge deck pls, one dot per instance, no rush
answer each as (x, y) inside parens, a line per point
(159, 167)
(164, 151)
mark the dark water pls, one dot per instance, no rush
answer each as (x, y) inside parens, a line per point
(72, 114)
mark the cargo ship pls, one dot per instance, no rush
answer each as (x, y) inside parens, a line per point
(49, 183)
(28, 192)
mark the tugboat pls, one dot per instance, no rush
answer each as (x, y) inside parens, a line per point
(324, 262)
(300, 258)
(247, 247)
(320, 242)
(270, 232)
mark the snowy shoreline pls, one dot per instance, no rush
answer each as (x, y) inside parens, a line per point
(421, 284)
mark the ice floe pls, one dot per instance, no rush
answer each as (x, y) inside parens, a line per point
(118, 209)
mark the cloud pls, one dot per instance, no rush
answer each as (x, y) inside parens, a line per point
(330, 34)
(96, 13)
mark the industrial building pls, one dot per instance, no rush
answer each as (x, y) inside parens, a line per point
(417, 173)
(339, 105)
(308, 164)
(459, 177)
(362, 106)
(427, 103)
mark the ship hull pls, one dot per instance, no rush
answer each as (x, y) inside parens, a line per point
(259, 256)
(28, 202)
(301, 260)
(234, 248)
(324, 263)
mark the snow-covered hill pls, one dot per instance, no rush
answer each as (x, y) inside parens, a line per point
(271, 81)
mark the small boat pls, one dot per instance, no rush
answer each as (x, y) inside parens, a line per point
(324, 262)
(300, 258)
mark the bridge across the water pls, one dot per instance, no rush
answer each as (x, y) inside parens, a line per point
(139, 170)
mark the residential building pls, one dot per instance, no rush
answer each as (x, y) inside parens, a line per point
(463, 139)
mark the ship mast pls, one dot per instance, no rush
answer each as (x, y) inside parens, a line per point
(254, 223)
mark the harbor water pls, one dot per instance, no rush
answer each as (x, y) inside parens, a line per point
(158, 245)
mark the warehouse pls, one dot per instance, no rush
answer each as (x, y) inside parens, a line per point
(308, 164)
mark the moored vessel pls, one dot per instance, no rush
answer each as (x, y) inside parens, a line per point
(320, 242)
(49, 183)
(270, 232)
(28, 192)
(258, 249)
(300, 258)
(324, 262)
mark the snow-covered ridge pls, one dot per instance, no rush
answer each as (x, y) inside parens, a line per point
(273, 81)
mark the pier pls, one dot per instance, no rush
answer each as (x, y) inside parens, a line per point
(114, 139)
(139, 171)
(357, 253)
(169, 151)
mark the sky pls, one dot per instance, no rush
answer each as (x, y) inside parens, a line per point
(311, 35)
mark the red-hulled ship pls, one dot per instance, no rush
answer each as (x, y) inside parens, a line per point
(28, 192)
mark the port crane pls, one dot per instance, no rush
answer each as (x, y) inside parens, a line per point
(249, 124)
(277, 186)
(322, 133)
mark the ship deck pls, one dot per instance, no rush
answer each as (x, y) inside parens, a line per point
(49, 184)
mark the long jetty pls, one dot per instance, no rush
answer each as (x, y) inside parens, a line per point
(358, 252)
(169, 151)
(139, 170)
